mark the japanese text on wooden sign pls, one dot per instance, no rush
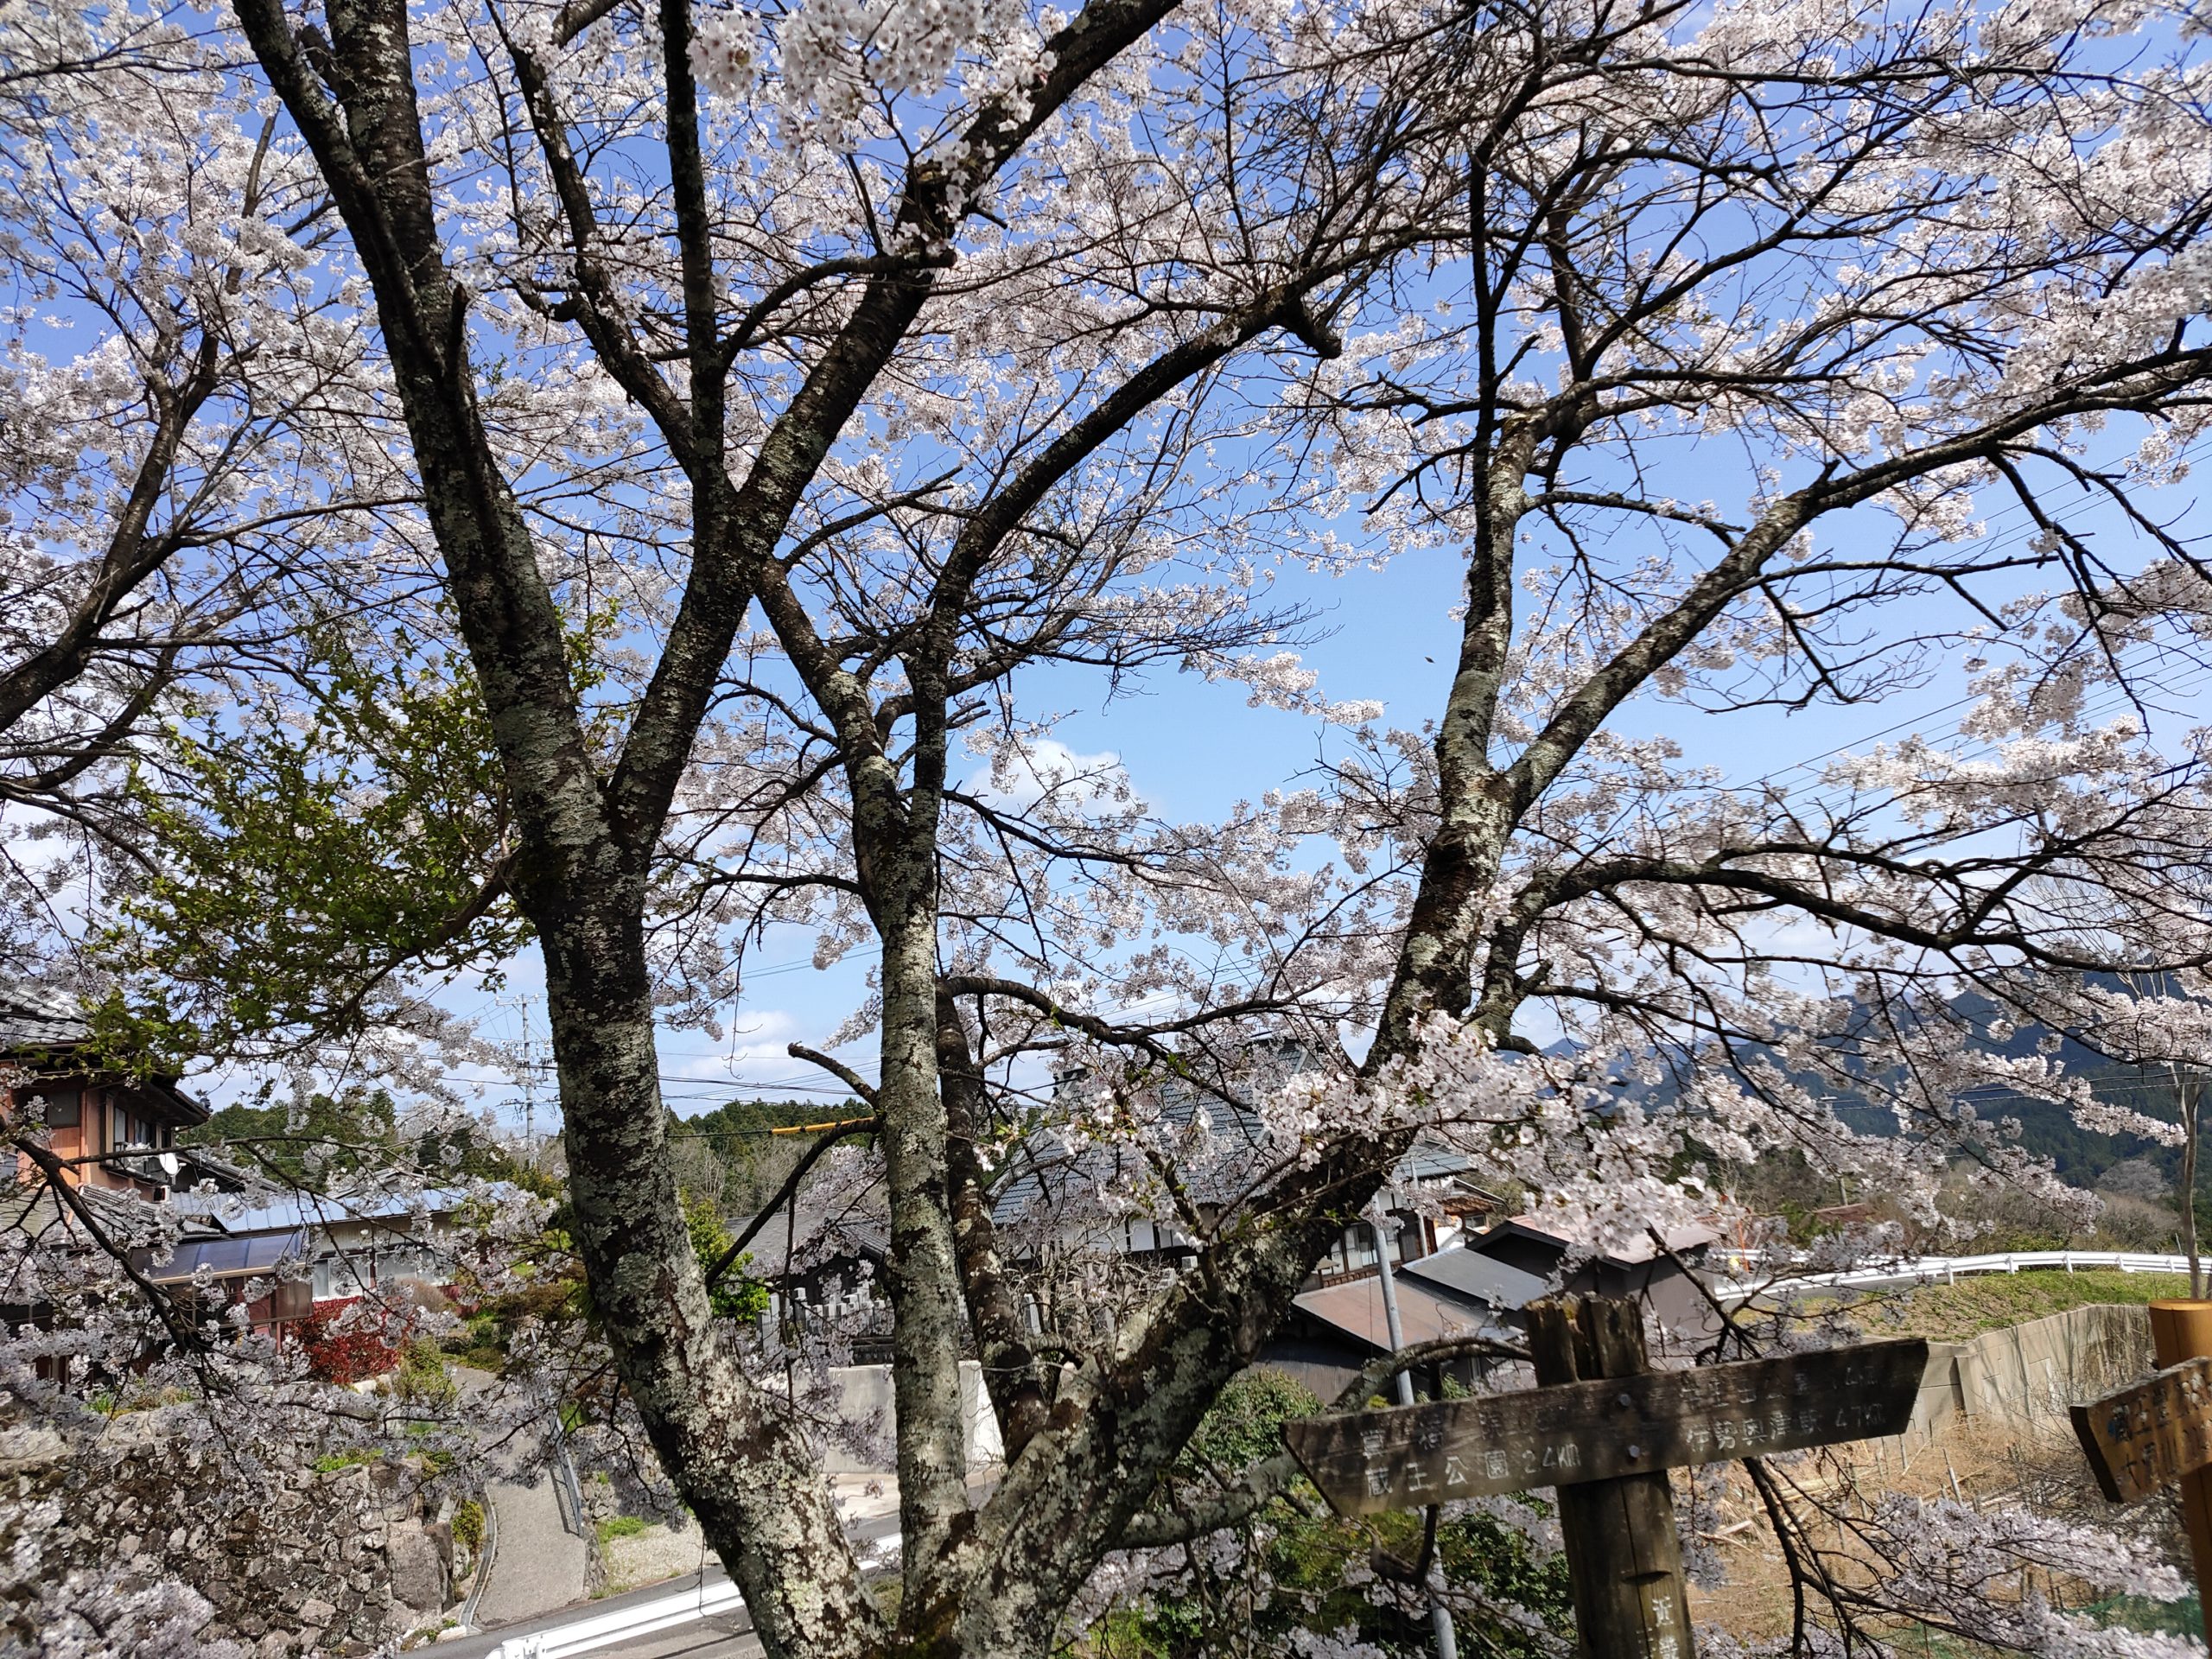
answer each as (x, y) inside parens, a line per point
(1569, 1432)
(2148, 1437)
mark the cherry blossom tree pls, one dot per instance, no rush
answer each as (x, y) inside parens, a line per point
(186, 426)
(957, 342)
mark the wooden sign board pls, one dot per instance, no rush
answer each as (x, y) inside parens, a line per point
(1569, 1432)
(2146, 1438)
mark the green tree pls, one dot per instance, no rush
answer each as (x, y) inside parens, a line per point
(306, 1141)
(733, 1296)
(314, 849)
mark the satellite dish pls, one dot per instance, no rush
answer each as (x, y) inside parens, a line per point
(168, 1163)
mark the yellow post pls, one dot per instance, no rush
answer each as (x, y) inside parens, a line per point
(2182, 1330)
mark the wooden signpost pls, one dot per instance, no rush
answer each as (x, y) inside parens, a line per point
(2148, 1437)
(1604, 1428)
(2158, 1433)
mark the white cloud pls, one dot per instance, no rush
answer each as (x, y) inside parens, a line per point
(1019, 778)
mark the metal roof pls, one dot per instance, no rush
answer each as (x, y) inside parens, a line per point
(1477, 1277)
(291, 1210)
(228, 1258)
(1355, 1308)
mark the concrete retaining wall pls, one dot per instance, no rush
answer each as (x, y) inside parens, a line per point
(864, 1391)
(2034, 1369)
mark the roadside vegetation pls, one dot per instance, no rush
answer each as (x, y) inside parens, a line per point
(1990, 1301)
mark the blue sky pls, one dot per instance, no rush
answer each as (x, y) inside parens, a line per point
(1193, 748)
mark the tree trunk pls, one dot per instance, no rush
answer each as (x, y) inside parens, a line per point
(1623, 1552)
(2186, 1090)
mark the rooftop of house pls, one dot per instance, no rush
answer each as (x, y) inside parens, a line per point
(291, 1211)
(34, 1017)
(819, 1234)
(1679, 1239)
(1050, 1167)
(1477, 1278)
(1354, 1308)
(43, 1023)
(224, 1258)
(31, 1209)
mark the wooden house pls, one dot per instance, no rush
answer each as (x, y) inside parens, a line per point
(106, 1129)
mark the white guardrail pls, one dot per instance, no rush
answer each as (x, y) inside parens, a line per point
(623, 1624)
(1944, 1269)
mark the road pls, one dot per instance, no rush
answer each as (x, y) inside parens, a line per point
(717, 1635)
(538, 1562)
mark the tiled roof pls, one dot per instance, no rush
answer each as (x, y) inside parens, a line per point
(33, 1016)
(33, 1208)
(821, 1236)
(1679, 1239)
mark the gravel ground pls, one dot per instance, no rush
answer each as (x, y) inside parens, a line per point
(665, 1552)
(648, 1557)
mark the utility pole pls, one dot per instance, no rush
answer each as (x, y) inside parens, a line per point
(529, 1080)
(1386, 1231)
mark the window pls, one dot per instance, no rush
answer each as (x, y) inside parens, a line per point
(1359, 1241)
(62, 1110)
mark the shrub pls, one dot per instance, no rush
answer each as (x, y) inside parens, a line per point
(422, 1374)
(1310, 1555)
(344, 1356)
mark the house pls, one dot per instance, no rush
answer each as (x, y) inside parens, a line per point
(1065, 1197)
(1333, 1331)
(107, 1129)
(342, 1244)
(1479, 1286)
(824, 1263)
(1508, 1266)
(258, 1271)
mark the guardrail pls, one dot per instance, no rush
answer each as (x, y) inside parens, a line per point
(703, 1601)
(485, 1557)
(568, 1491)
(1942, 1269)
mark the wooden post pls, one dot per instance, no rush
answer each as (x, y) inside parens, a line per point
(1624, 1555)
(2181, 1330)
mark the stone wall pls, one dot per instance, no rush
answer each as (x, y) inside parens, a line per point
(348, 1559)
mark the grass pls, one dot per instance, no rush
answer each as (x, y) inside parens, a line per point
(331, 1462)
(2183, 1618)
(468, 1523)
(619, 1526)
(1990, 1301)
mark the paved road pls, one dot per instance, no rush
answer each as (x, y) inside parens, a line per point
(727, 1636)
(723, 1635)
(537, 1564)
(699, 1641)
